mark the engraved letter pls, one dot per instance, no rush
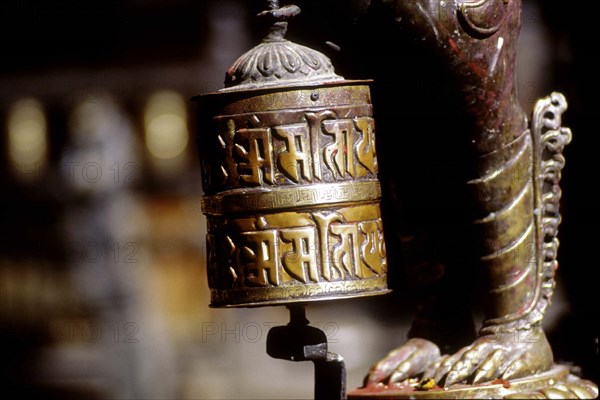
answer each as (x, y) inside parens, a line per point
(346, 254)
(259, 160)
(228, 170)
(314, 123)
(370, 248)
(339, 155)
(261, 256)
(323, 221)
(303, 256)
(297, 156)
(232, 255)
(366, 145)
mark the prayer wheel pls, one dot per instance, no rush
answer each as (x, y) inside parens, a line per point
(289, 170)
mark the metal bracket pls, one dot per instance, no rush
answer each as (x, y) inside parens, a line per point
(297, 341)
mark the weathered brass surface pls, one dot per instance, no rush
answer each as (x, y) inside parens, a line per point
(290, 180)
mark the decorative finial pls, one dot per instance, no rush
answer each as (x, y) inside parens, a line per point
(277, 62)
(280, 17)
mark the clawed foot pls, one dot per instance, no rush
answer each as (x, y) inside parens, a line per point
(405, 362)
(505, 356)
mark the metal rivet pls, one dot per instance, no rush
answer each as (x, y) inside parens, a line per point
(314, 96)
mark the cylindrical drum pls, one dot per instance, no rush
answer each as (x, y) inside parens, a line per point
(289, 171)
(291, 195)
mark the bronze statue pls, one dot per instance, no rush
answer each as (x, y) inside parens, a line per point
(517, 195)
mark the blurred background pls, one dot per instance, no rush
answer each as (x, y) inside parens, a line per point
(103, 290)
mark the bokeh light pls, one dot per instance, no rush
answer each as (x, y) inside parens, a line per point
(27, 138)
(165, 123)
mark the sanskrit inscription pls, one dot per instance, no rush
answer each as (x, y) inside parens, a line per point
(328, 247)
(320, 147)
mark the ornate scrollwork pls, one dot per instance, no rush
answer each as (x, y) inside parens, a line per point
(553, 137)
(549, 138)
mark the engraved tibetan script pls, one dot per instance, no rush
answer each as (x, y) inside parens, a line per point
(328, 250)
(256, 166)
(319, 148)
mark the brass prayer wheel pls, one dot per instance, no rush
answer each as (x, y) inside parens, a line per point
(289, 169)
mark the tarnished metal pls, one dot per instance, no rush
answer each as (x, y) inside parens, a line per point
(516, 196)
(290, 179)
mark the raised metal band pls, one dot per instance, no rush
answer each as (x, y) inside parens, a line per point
(290, 197)
(249, 297)
(328, 95)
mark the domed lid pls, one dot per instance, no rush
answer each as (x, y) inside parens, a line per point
(277, 62)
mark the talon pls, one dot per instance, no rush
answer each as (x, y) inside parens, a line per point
(483, 375)
(377, 374)
(488, 367)
(440, 373)
(452, 378)
(514, 370)
(459, 372)
(566, 388)
(458, 366)
(430, 371)
(380, 371)
(410, 359)
(404, 367)
(591, 387)
(580, 391)
(397, 377)
(467, 363)
(446, 366)
(402, 372)
(443, 369)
